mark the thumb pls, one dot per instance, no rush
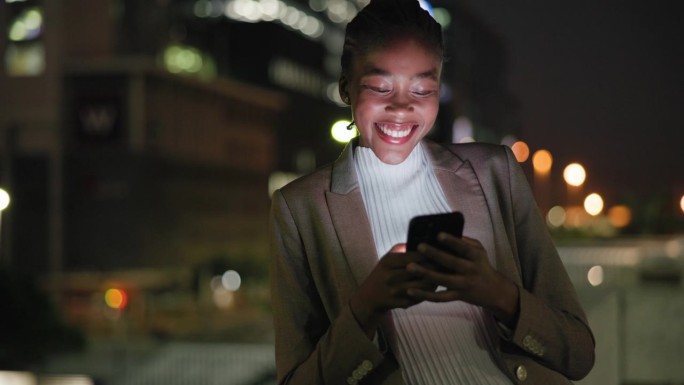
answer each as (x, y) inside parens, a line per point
(398, 248)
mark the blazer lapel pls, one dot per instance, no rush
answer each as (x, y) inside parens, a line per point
(349, 217)
(464, 193)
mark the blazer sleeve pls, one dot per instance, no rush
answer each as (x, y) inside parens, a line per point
(552, 327)
(311, 348)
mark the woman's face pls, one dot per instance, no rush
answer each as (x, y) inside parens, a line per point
(394, 95)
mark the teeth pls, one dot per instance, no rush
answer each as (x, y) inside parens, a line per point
(395, 133)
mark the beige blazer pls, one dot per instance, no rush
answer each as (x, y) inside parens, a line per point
(322, 249)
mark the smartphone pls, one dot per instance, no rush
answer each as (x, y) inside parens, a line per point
(425, 228)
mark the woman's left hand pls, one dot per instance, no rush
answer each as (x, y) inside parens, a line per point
(468, 276)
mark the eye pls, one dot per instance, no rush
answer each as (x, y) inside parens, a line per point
(423, 93)
(377, 89)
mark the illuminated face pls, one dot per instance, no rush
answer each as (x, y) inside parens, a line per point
(394, 95)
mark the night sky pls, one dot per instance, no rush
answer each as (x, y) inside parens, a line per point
(600, 83)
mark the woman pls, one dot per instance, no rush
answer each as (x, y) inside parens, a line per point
(352, 306)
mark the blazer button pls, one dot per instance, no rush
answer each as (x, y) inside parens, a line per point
(521, 372)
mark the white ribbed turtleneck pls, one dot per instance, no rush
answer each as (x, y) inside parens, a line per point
(436, 343)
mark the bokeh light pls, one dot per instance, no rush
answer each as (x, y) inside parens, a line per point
(593, 204)
(681, 203)
(442, 16)
(254, 11)
(116, 298)
(521, 151)
(576, 217)
(620, 216)
(231, 280)
(595, 275)
(341, 133)
(574, 174)
(556, 216)
(542, 161)
(223, 299)
(4, 199)
(17, 378)
(27, 25)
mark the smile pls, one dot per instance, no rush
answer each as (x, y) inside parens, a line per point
(396, 130)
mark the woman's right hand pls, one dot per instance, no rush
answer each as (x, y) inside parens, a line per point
(386, 287)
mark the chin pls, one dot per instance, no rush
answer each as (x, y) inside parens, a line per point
(392, 157)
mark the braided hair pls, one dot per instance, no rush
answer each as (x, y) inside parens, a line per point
(383, 22)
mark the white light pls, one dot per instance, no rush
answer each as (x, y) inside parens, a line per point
(593, 204)
(574, 174)
(271, 9)
(314, 28)
(231, 280)
(292, 18)
(4, 199)
(595, 275)
(341, 133)
(17, 378)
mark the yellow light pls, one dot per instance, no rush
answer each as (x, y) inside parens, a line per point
(620, 216)
(574, 174)
(681, 203)
(18, 31)
(4, 199)
(593, 204)
(521, 151)
(341, 133)
(116, 298)
(542, 161)
(595, 275)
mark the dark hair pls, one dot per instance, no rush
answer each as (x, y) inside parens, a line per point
(383, 22)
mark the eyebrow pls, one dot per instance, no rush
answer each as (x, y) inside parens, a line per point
(430, 74)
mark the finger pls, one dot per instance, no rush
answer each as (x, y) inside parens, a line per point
(451, 262)
(398, 248)
(400, 276)
(465, 247)
(460, 246)
(400, 260)
(456, 281)
(434, 296)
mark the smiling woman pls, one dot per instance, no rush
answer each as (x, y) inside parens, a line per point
(394, 94)
(350, 303)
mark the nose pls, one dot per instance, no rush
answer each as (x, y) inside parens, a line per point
(400, 101)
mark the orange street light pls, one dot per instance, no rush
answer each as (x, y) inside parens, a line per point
(542, 162)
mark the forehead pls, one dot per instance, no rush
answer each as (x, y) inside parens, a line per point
(402, 55)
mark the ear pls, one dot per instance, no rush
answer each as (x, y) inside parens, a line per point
(343, 86)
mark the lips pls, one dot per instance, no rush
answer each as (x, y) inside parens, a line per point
(395, 133)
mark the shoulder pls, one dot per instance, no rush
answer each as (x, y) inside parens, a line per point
(481, 156)
(309, 185)
(481, 152)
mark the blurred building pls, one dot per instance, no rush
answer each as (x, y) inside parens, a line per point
(142, 134)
